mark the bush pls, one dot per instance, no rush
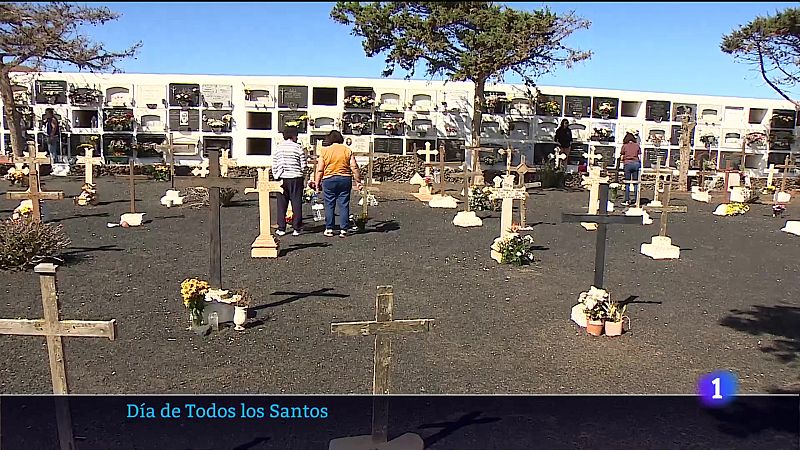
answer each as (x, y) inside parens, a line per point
(24, 241)
(517, 250)
(552, 178)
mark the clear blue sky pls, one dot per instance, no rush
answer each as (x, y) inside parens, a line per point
(637, 46)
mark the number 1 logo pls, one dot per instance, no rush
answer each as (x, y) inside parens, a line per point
(717, 388)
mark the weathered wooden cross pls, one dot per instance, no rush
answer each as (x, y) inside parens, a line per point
(508, 152)
(367, 188)
(427, 152)
(89, 161)
(466, 177)
(34, 193)
(264, 246)
(602, 219)
(383, 326)
(441, 164)
(213, 182)
(521, 170)
(785, 166)
(132, 183)
(53, 328)
(666, 209)
(771, 174)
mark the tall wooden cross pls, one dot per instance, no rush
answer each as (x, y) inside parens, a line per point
(34, 193)
(508, 153)
(785, 166)
(666, 209)
(264, 246)
(88, 160)
(382, 327)
(213, 182)
(441, 164)
(53, 328)
(466, 180)
(168, 150)
(602, 219)
(367, 189)
(771, 174)
(132, 184)
(427, 152)
(521, 170)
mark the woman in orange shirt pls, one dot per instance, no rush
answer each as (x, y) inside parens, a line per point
(336, 169)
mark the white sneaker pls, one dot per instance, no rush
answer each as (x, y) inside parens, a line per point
(295, 233)
(280, 232)
(328, 233)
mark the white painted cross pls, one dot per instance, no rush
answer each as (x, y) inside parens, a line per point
(771, 174)
(88, 161)
(591, 156)
(264, 246)
(592, 182)
(201, 170)
(558, 156)
(427, 152)
(508, 193)
(225, 162)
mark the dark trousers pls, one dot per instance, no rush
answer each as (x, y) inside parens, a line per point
(336, 191)
(631, 170)
(292, 192)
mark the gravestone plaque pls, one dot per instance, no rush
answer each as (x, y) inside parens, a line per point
(390, 101)
(657, 110)
(215, 115)
(575, 156)
(732, 138)
(610, 108)
(324, 124)
(414, 145)
(543, 99)
(453, 149)
(385, 118)
(783, 118)
(608, 155)
(117, 148)
(217, 95)
(260, 95)
(777, 158)
(422, 102)
(357, 123)
(674, 156)
(603, 132)
(118, 96)
(325, 96)
(675, 136)
(455, 101)
(292, 96)
(51, 92)
(117, 119)
(519, 129)
(780, 140)
(147, 145)
(184, 95)
(681, 109)
(27, 118)
(150, 96)
(76, 140)
(577, 106)
(389, 145)
(184, 120)
(292, 116)
(541, 152)
(651, 155)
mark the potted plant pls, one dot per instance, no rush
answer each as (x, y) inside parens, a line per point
(709, 140)
(186, 97)
(550, 108)
(359, 102)
(244, 301)
(591, 310)
(394, 127)
(193, 292)
(615, 316)
(119, 151)
(516, 250)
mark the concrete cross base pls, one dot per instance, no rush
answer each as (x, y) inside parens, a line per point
(408, 441)
(172, 198)
(782, 197)
(131, 219)
(59, 170)
(720, 211)
(589, 226)
(655, 204)
(792, 226)
(634, 212)
(661, 248)
(416, 179)
(443, 201)
(264, 247)
(701, 196)
(495, 249)
(646, 220)
(467, 219)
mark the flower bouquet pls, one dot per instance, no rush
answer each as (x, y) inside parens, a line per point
(23, 211)
(769, 190)
(709, 140)
(591, 310)
(17, 176)
(359, 101)
(309, 195)
(735, 208)
(394, 127)
(605, 109)
(516, 250)
(602, 134)
(219, 124)
(451, 130)
(656, 139)
(193, 292)
(299, 122)
(360, 127)
(161, 172)
(756, 139)
(777, 210)
(87, 196)
(550, 108)
(84, 96)
(480, 199)
(118, 122)
(185, 97)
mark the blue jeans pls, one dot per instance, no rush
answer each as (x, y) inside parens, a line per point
(631, 170)
(54, 148)
(336, 191)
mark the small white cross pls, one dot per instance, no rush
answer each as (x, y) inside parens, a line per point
(201, 170)
(591, 156)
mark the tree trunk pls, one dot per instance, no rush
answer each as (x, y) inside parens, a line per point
(19, 141)
(477, 115)
(687, 126)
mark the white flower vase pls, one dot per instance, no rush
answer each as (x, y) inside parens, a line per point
(239, 317)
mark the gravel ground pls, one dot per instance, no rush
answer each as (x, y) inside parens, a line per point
(730, 302)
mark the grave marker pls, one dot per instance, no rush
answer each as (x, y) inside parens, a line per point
(34, 193)
(661, 246)
(782, 196)
(771, 174)
(213, 182)
(264, 246)
(441, 164)
(467, 217)
(53, 328)
(593, 181)
(508, 153)
(88, 161)
(508, 193)
(521, 170)
(591, 156)
(383, 326)
(602, 219)
(427, 152)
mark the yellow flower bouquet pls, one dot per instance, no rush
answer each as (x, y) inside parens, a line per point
(733, 209)
(193, 292)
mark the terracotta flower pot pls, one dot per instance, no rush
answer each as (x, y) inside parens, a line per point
(594, 327)
(616, 328)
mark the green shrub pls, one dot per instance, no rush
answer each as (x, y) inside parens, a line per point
(517, 250)
(23, 241)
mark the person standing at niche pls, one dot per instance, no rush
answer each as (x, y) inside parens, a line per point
(336, 170)
(288, 162)
(564, 139)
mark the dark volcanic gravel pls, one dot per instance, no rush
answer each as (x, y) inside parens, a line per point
(730, 302)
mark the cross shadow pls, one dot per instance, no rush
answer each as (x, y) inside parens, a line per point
(79, 216)
(540, 248)
(448, 428)
(77, 254)
(238, 204)
(540, 223)
(383, 226)
(182, 216)
(114, 201)
(780, 321)
(294, 247)
(295, 296)
(632, 300)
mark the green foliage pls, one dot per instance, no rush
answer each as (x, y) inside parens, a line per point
(517, 250)
(551, 177)
(772, 45)
(23, 241)
(226, 196)
(480, 200)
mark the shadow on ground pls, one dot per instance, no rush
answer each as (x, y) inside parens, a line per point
(780, 321)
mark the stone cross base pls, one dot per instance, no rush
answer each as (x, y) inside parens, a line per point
(792, 226)
(661, 248)
(655, 204)
(264, 247)
(443, 201)
(408, 441)
(495, 249)
(131, 219)
(700, 196)
(782, 197)
(424, 194)
(172, 198)
(467, 219)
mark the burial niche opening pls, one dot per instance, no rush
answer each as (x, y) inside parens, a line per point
(259, 146)
(85, 119)
(259, 120)
(630, 109)
(324, 96)
(757, 115)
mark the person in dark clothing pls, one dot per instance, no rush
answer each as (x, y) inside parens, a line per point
(564, 138)
(631, 164)
(288, 162)
(53, 134)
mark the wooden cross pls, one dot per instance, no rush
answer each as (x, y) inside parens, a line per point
(167, 150)
(427, 152)
(88, 161)
(383, 326)
(132, 184)
(666, 210)
(213, 182)
(521, 170)
(34, 194)
(441, 165)
(264, 246)
(786, 166)
(771, 174)
(508, 193)
(466, 178)
(367, 179)
(53, 328)
(602, 219)
(508, 153)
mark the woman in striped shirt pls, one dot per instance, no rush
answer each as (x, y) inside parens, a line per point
(288, 162)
